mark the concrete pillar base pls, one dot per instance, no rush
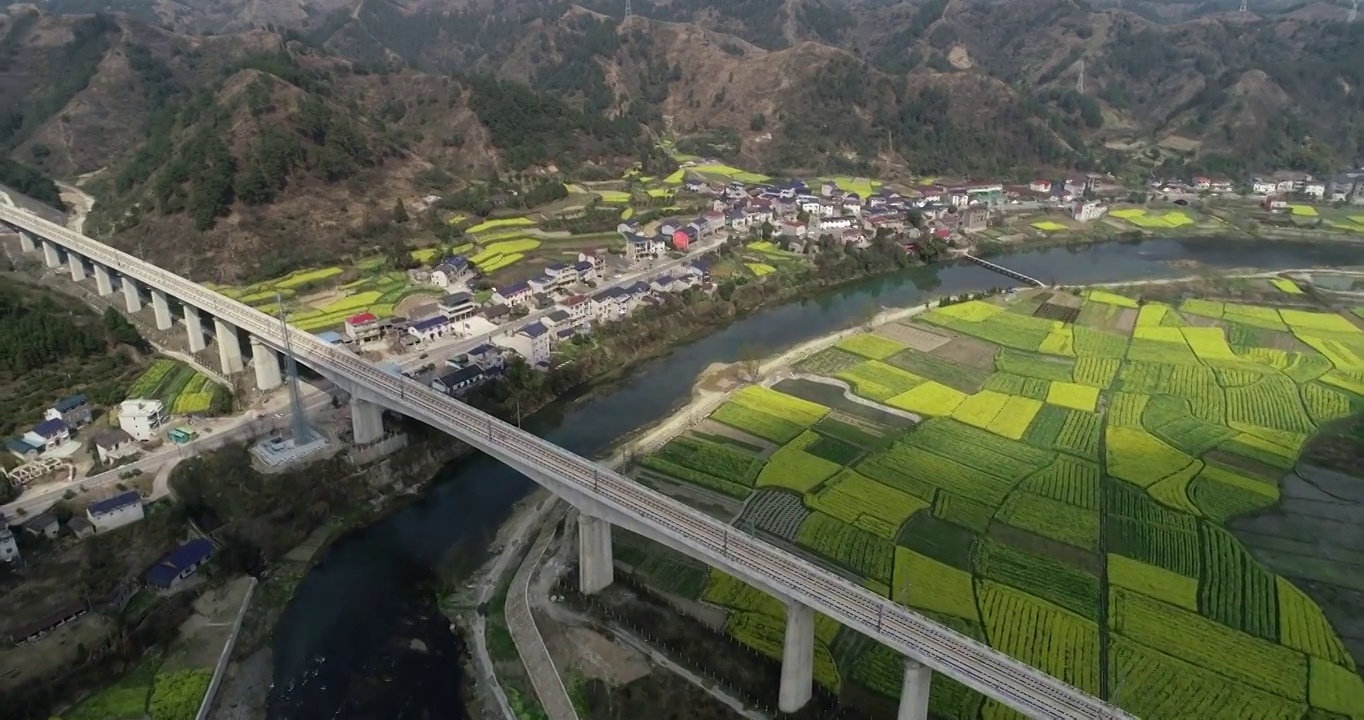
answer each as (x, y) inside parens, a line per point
(161, 306)
(797, 658)
(77, 265)
(51, 257)
(914, 693)
(367, 421)
(266, 362)
(26, 242)
(229, 347)
(131, 295)
(194, 328)
(596, 568)
(104, 285)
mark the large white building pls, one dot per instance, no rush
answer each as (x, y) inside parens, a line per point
(142, 417)
(122, 509)
(530, 342)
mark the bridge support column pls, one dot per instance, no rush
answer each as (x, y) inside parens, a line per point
(595, 566)
(367, 421)
(51, 257)
(229, 347)
(914, 693)
(161, 306)
(266, 362)
(797, 658)
(194, 328)
(77, 265)
(131, 295)
(104, 285)
(26, 242)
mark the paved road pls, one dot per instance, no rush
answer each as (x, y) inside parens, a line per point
(530, 645)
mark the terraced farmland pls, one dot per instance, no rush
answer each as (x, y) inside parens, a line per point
(1066, 495)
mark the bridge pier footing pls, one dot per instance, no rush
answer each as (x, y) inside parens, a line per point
(26, 242)
(104, 285)
(131, 296)
(77, 265)
(161, 307)
(51, 257)
(229, 347)
(367, 421)
(797, 658)
(194, 328)
(266, 363)
(914, 692)
(596, 567)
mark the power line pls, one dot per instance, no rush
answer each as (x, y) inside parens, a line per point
(628, 11)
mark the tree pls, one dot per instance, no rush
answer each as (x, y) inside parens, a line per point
(399, 212)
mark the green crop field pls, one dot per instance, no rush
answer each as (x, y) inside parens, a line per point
(181, 389)
(1080, 457)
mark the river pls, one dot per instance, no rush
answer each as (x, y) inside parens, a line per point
(341, 650)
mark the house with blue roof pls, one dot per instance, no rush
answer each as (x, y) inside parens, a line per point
(180, 564)
(48, 435)
(514, 294)
(430, 328)
(111, 513)
(530, 342)
(74, 411)
(24, 450)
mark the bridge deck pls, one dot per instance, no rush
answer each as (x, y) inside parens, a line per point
(961, 658)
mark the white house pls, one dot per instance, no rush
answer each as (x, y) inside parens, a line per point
(122, 509)
(428, 329)
(48, 435)
(450, 271)
(142, 417)
(458, 379)
(1315, 189)
(75, 411)
(610, 304)
(514, 294)
(1263, 187)
(592, 256)
(530, 342)
(458, 306)
(1086, 211)
(836, 223)
(579, 309)
(114, 443)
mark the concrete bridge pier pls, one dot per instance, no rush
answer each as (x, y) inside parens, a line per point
(596, 567)
(914, 693)
(229, 347)
(161, 306)
(26, 242)
(194, 327)
(131, 295)
(104, 285)
(797, 658)
(51, 257)
(266, 363)
(77, 265)
(366, 420)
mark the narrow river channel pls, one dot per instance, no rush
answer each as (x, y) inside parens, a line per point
(334, 650)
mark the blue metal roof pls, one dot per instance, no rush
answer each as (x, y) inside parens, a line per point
(535, 329)
(179, 560)
(50, 428)
(331, 337)
(555, 266)
(583, 265)
(481, 349)
(459, 298)
(432, 322)
(513, 289)
(70, 403)
(19, 446)
(117, 502)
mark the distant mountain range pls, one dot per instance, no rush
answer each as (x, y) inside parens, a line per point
(387, 96)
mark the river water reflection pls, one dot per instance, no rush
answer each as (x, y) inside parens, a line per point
(338, 632)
